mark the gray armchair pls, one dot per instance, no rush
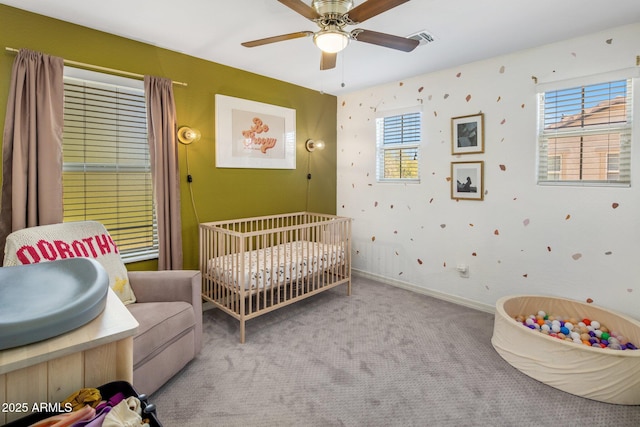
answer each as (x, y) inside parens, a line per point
(166, 304)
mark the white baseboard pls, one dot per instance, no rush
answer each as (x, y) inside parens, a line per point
(430, 292)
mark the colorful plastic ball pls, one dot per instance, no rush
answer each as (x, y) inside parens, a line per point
(588, 332)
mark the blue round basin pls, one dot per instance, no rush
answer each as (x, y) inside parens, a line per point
(41, 301)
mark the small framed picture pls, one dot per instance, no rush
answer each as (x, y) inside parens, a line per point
(467, 134)
(467, 180)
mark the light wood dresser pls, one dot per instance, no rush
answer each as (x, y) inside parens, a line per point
(49, 371)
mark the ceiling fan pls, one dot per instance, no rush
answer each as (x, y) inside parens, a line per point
(332, 16)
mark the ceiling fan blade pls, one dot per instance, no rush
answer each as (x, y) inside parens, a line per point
(328, 61)
(387, 40)
(301, 8)
(280, 38)
(371, 8)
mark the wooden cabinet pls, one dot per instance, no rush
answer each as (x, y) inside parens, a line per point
(49, 371)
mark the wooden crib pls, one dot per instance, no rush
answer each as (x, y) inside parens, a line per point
(252, 266)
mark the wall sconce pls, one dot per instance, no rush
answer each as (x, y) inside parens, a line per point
(312, 145)
(186, 135)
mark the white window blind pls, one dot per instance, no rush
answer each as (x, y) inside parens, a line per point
(107, 170)
(584, 134)
(398, 141)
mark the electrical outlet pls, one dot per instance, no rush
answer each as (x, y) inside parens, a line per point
(463, 269)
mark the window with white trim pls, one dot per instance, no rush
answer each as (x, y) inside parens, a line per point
(584, 134)
(398, 142)
(106, 162)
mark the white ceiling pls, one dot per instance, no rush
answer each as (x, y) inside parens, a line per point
(464, 31)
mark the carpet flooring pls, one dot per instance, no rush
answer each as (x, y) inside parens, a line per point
(383, 356)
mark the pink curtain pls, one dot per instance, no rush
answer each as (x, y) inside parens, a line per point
(161, 112)
(32, 144)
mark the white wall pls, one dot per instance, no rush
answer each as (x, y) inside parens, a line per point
(523, 238)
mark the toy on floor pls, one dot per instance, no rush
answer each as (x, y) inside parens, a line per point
(586, 331)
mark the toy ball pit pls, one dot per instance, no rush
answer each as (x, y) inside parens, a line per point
(602, 374)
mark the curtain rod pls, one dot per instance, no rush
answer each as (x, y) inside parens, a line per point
(99, 68)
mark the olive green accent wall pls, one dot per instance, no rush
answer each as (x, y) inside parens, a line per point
(217, 193)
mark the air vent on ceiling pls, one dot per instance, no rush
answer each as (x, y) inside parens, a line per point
(424, 37)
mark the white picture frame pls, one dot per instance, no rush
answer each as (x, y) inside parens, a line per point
(251, 134)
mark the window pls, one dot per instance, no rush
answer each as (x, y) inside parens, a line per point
(585, 134)
(398, 141)
(107, 169)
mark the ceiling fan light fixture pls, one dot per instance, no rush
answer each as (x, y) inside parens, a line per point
(331, 40)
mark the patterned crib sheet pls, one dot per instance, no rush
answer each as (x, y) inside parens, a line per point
(276, 264)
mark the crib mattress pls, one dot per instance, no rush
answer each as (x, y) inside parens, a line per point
(277, 264)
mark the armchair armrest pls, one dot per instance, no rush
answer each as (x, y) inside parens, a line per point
(167, 286)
